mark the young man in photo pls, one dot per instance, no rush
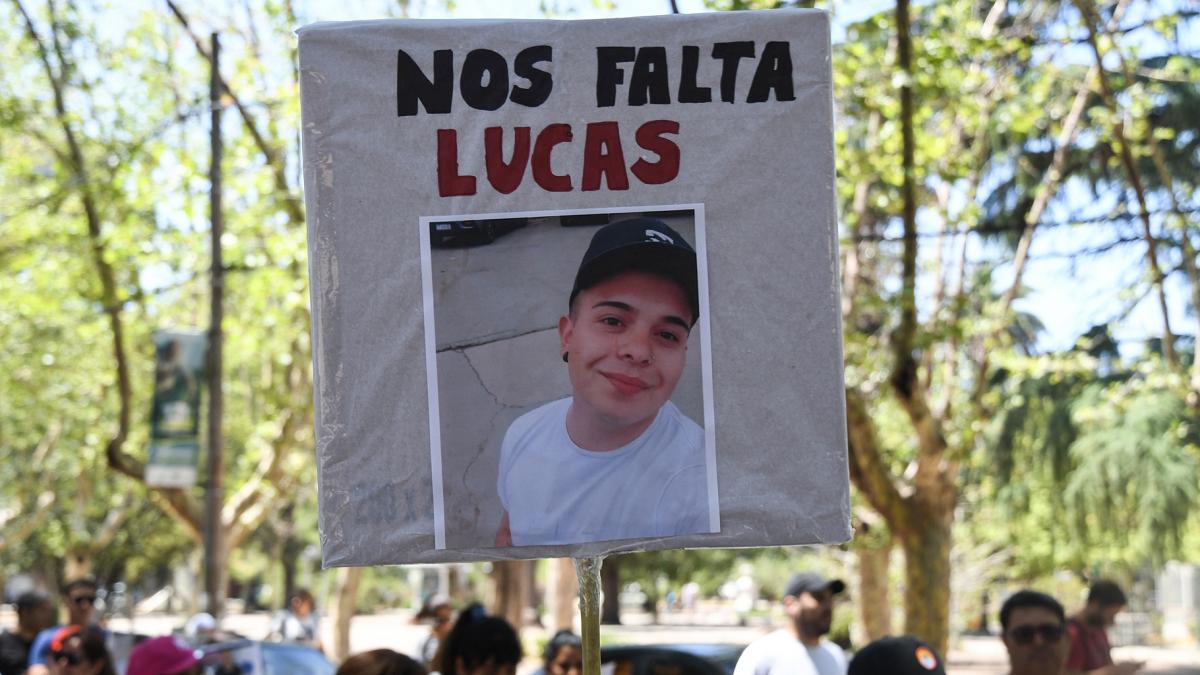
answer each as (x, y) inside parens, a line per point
(616, 459)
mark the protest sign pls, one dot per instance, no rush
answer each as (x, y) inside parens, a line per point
(574, 286)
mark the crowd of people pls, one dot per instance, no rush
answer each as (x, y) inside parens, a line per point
(1037, 633)
(1040, 638)
(476, 644)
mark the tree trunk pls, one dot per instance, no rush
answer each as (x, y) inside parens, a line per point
(345, 601)
(78, 564)
(927, 581)
(920, 521)
(291, 553)
(610, 586)
(531, 614)
(561, 589)
(510, 578)
(874, 601)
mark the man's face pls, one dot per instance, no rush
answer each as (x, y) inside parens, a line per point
(811, 611)
(302, 607)
(38, 618)
(626, 342)
(568, 661)
(1035, 642)
(81, 601)
(1107, 616)
(442, 621)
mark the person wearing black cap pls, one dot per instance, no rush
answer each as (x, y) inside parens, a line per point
(35, 613)
(616, 459)
(900, 655)
(799, 649)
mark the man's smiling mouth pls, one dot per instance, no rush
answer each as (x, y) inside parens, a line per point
(626, 384)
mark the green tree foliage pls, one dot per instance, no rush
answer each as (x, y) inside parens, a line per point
(1007, 112)
(1092, 470)
(95, 186)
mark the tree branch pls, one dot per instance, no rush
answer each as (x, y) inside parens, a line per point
(183, 508)
(9, 535)
(112, 524)
(867, 468)
(272, 155)
(1135, 181)
(117, 458)
(904, 370)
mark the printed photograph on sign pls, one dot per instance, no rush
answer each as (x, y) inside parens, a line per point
(569, 386)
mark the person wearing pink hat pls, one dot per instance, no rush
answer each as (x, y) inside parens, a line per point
(165, 655)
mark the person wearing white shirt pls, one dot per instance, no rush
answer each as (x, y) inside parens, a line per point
(799, 648)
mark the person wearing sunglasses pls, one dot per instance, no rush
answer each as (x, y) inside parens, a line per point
(77, 650)
(1032, 627)
(79, 597)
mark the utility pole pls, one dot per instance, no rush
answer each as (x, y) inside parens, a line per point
(214, 497)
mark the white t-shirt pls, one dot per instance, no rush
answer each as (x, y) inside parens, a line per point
(288, 627)
(780, 653)
(558, 493)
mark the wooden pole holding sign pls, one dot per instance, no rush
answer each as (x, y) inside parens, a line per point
(214, 558)
(587, 570)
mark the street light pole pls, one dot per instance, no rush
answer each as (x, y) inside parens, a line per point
(214, 558)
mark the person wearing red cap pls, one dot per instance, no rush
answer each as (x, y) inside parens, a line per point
(616, 459)
(76, 650)
(164, 655)
(800, 648)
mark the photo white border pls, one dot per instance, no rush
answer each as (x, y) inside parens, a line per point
(431, 374)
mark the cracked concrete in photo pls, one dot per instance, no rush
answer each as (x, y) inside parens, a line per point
(496, 310)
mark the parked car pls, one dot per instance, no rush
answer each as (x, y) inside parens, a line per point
(583, 220)
(252, 657)
(469, 232)
(672, 659)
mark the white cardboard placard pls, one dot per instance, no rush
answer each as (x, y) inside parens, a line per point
(423, 140)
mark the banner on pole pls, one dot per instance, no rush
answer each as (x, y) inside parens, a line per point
(175, 412)
(574, 286)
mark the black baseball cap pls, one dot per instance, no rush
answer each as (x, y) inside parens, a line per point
(900, 655)
(811, 582)
(643, 245)
(31, 600)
